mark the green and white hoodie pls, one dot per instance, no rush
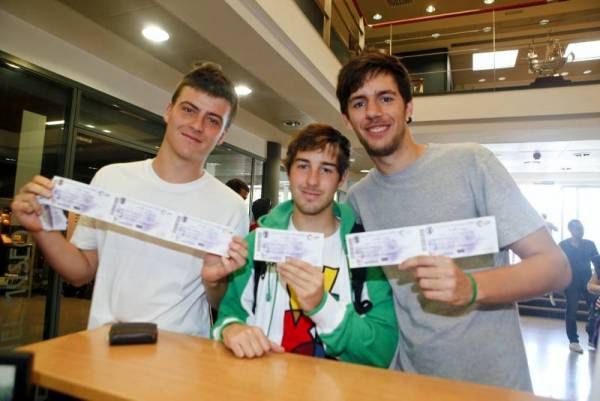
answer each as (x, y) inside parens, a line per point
(333, 329)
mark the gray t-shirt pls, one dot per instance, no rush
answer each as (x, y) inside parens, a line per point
(482, 344)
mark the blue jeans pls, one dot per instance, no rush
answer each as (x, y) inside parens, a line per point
(573, 293)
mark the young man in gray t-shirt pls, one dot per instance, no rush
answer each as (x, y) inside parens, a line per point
(457, 318)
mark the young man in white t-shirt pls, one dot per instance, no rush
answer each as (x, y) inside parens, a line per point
(139, 278)
(322, 311)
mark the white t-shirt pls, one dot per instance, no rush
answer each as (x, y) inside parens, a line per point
(140, 278)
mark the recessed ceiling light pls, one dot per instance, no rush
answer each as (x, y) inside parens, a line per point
(564, 73)
(377, 17)
(242, 90)
(488, 2)
(364, 171)
(494, 60)
(11, 65)
(435, 35)
(587, 72)
(556, 75)
(352, 160)
(155, 34)
(482, 80)
(107, 131)
(544, 21)
(291, 123)
(584, 50)
(90, 126)
(501, 78)
(430, 9)
(57, 122)
(487, 29)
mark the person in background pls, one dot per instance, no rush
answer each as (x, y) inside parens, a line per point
(580, 253)
(146, 279)
(449, 311)
(329, 311)
(239, 187)
(593, 288)
(260, 207)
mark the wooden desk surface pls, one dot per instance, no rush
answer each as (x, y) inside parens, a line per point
(181, 367)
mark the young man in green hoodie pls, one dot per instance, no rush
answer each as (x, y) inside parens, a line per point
(328, 311)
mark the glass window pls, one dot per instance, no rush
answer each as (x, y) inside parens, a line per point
(32, 142)
(121, 121)
(225, 164)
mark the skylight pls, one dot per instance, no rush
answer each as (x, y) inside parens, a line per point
(497, 60)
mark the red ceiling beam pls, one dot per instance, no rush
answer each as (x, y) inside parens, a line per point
(458, 13)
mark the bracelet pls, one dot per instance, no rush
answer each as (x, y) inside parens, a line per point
(473, 289)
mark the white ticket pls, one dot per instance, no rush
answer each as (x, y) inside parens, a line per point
(456, 239)
(125, 212)
(53, 219)
(273, 245)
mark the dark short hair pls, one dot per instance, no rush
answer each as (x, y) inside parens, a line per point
(208, 77)
(238, 185)
(320, 136)
(260, 207)
(573, 223)
(361, 68)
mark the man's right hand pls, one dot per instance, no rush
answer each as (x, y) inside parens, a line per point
(248, 341)
(25, 206)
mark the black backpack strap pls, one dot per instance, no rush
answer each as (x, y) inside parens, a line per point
(260, 268)
(357, 282)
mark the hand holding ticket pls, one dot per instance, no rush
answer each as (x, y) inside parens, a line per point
(455, 239)
(152, 220)
(277, 245)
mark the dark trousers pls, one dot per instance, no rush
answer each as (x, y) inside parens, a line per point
(573, 293)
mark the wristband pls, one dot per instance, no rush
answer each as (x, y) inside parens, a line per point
(473, 289)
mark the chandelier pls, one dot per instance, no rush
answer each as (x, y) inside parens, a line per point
(553, 61)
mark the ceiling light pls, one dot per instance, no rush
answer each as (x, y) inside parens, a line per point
(544, 21)
(107, 131)
(377, 17)
(584, 50)
(587, 72)
(11, 65)
(387, 41)
(435, 35)
(90, 125)
(494, 60)
(430, 9)
(364, 171)
(57, 122)
(242, 90)
(481, 80)
(291, 123)
(488, 2)
(352, 160)
(155, 34)
(564, 73)
(501, 78)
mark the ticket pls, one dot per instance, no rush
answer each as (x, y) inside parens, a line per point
(53, 218)
(273, 245)
(455, 239)
(152, 220)
(201, 234)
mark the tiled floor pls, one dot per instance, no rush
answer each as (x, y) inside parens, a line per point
(556, 372)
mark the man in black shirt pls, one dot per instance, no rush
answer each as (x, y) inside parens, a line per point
(580, 252)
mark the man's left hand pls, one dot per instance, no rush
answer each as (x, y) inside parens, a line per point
(305, 279)
(217, 267)
(440, 279)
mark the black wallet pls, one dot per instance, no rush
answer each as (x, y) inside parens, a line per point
(132, 333)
